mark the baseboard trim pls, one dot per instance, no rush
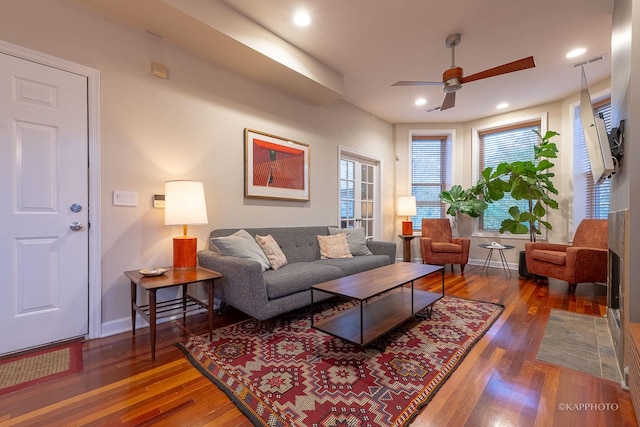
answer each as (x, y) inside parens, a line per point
(478, 262)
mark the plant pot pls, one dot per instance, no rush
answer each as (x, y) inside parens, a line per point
(522, 265)
(463, 225)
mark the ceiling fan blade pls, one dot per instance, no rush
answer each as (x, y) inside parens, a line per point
(449, 101)
(416, 83)
(520, 64)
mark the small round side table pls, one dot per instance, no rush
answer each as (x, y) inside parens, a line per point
(500, 250)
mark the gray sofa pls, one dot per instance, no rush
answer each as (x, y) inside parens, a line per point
(264, 294)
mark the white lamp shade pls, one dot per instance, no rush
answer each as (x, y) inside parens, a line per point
(184, 203)
(406, 206)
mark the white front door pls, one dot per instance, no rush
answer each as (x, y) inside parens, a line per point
(44, 254)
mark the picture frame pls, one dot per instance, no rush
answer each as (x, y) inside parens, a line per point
(275, 167)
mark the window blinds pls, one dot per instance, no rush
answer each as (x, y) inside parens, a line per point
(430, 175)
(505, 144)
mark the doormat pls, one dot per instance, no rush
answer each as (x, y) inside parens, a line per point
(581, 342)
(27, 369)
(282, 372)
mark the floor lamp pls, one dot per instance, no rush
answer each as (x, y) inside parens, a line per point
(184, 205)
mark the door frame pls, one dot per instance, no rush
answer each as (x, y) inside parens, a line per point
(93, 108)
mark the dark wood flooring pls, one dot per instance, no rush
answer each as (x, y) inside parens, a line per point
(500, 383)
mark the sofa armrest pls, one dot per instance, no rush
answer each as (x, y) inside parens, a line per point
(544, 246)
(586, 264)
(462, 241)
(425, 247)
(242, 280)
(383, 248)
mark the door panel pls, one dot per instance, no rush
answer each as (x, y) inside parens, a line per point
(36, 167)
(43, 171)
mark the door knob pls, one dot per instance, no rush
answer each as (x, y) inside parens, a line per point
(75, 226)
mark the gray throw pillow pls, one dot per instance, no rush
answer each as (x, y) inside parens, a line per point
(240, 244)
(355, 238)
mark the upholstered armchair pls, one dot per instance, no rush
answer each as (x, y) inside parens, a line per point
(583, 261)
(438, 247)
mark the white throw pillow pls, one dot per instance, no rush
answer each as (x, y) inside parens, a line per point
(355, 238)
(242, 245)
(272, 250)
(334, 246)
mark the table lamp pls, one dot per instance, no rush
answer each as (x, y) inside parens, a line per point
(407, 207)
(184, 205)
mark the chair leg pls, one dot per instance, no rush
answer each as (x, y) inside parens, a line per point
(462, 268)
(572, 288)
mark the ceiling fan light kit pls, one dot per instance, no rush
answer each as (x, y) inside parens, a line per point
(453, 77)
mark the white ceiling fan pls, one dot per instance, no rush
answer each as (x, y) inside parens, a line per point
(453, 78)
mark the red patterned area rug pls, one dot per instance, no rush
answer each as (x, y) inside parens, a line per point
(285, 373)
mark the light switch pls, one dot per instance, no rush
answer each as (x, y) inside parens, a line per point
(125, 198)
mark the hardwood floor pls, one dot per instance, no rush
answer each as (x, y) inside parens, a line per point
(500, 383)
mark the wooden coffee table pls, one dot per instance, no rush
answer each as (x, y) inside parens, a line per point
(384, 302)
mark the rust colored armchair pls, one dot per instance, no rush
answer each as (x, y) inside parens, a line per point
(438, 247)
(583, 261)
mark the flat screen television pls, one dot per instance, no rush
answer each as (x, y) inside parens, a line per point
(595, 137)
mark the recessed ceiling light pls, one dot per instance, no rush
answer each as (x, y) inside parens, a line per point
(420, 101)
(576, 52)
(502, 106)
(302, 19)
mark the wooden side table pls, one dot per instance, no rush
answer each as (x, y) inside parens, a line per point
(406, 248)
(187, 303)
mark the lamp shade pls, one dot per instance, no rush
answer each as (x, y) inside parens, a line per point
(406, 206)
(184, 203)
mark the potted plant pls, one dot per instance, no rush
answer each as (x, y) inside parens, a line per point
(466, 202)
(525, 180)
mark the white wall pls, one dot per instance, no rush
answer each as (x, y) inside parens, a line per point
(190, 126)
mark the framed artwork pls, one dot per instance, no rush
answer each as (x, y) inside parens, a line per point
(275, 167)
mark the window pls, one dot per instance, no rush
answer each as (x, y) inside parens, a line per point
(430, 175)
(505, 144)
(358, 194)
(590, 201)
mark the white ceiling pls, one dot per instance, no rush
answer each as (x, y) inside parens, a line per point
(371, 44)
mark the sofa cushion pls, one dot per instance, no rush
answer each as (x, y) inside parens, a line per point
(297, 277)
(554, 257)
(355, 238)
(272, 251)
(446, 247)
(242, 245)
(335, 246)
(299, 244)
(356, 264)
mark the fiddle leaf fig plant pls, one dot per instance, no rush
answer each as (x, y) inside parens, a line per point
(525, 180)
(464, 201)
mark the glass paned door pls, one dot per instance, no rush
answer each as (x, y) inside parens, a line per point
(358, 195)
(347, 194)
